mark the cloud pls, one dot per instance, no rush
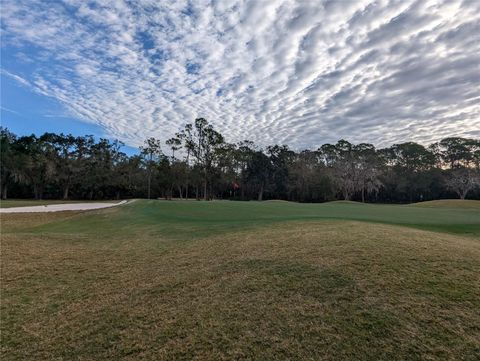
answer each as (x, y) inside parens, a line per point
(9, 110)
(15, 77)
(301, 73)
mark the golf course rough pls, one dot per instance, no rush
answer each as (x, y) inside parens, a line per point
(255, 280)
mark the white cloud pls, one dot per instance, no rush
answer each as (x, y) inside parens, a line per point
(15, 77)
(275, 71)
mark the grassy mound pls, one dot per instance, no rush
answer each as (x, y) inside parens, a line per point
(190, 219)
(450, 203)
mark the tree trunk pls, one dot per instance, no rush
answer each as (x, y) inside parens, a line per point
(65, 192)
(187, 175)
(4, 192)
(149, 183)
(180, 191)
(118, 195)
(205, 195)
(363, 195)
(260, 193)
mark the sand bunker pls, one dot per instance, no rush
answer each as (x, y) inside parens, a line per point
(60, 207)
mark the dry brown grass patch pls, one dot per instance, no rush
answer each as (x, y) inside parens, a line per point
(325, 290)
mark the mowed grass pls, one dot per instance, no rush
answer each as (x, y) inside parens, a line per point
(165, 280)
(182, 220)
(450, 203)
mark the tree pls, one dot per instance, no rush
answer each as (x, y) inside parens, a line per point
(9, 161)
(242, 155)
(151, 152)
(178, 171)
(258, 171)
(128, 175)
(341, 160)
(281, 157)
(369, 169)
(307, 177)
(462, 180)
(59, 165)
(36, 157)
(186, 138)
(64, 159)
(203, 142)
(175, 143)
(412, 164)
(457, 152)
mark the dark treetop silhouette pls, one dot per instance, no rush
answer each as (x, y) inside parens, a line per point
(203, 166)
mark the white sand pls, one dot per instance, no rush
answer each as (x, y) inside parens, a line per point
(60, 207)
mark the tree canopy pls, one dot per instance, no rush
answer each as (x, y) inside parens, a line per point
(201, 164)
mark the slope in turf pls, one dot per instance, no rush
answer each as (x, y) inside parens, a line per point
(187, 220)
(450, 203)
(328, 290)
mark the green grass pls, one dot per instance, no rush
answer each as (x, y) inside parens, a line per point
(191, 219)
(450, 203)
(161, 280)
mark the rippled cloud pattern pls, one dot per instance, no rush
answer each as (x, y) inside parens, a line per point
(292, 72)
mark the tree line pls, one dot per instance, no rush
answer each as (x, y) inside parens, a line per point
(198, 163)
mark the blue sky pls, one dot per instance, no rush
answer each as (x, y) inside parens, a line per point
(25, 112)
(299, 73)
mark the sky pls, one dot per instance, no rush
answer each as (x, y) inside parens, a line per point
(301, 73)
